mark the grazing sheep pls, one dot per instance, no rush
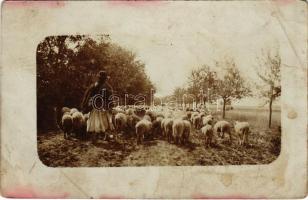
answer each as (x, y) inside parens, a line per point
(196, 120)
(207, 120)
(79, 124)
(188, 115)
(201, 115)
(129, 111)
(168, 122)
(151, 114)
(132, 120)
(177, 130)
(186, 131)
(140, 112)
(147, 117)
(160, 115)
(207, 132)
(143, 128)
(222, 127)
(73, 110)
(65, 110)
(120, 121)
(242, 129)
(67, 124)
(157, 125)
(194, 114)
(118, 110)
(169, 114)
(162, 126)
(184, 117)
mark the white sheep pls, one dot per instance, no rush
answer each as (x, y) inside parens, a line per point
(143, 127)
(207, 120)
(167, 123)
(207, 132)
(79, 124)
(184, 117)
(242, 129)
(201, 114)
(188, 114)
(222, 127)
(65, 110)
(129, 111)
(169, 114)
(196, 120)
(151, 114)
(186, 131)
(120, 121)
(118, 110)
(160, 115)
(73, 110)
(162, 126)
(157, 125)
(147, 117)
(67, 124)
(132, 120)
(194, 114)
(177, 130)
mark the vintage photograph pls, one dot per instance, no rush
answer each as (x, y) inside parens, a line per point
(106, 103)
(154, 99)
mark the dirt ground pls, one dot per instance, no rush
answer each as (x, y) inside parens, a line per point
(263, 148)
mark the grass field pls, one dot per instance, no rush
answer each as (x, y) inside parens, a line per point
(263, 148)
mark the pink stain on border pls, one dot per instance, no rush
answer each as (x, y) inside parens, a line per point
(46, 4)
(28, 192)
(284, 2)
(135, 3)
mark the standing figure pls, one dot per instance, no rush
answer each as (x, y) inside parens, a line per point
(97, 101)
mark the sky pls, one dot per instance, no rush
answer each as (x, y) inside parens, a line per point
(172, 38)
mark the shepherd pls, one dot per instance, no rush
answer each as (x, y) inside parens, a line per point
(97, 101)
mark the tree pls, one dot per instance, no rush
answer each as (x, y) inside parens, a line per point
(230, 85)
(201, 81)
(268, 71)
(67, 65)
(179, 93)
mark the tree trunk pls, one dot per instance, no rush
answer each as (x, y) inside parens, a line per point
(270, 112)
(224, 109)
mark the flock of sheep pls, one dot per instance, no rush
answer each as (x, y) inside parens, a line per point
(144, 122)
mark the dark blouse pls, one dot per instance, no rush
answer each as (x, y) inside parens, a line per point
(97, 96)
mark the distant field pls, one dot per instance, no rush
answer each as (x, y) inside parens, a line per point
(257, 117)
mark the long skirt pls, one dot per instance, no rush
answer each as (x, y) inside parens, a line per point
(99, 121)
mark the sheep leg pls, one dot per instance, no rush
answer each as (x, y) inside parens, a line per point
(245, 138)
(222, 134)
(169, 137)
(239, 139)
(230, 136)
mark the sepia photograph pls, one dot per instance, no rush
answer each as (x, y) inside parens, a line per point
(101, 103)
(154, 99)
